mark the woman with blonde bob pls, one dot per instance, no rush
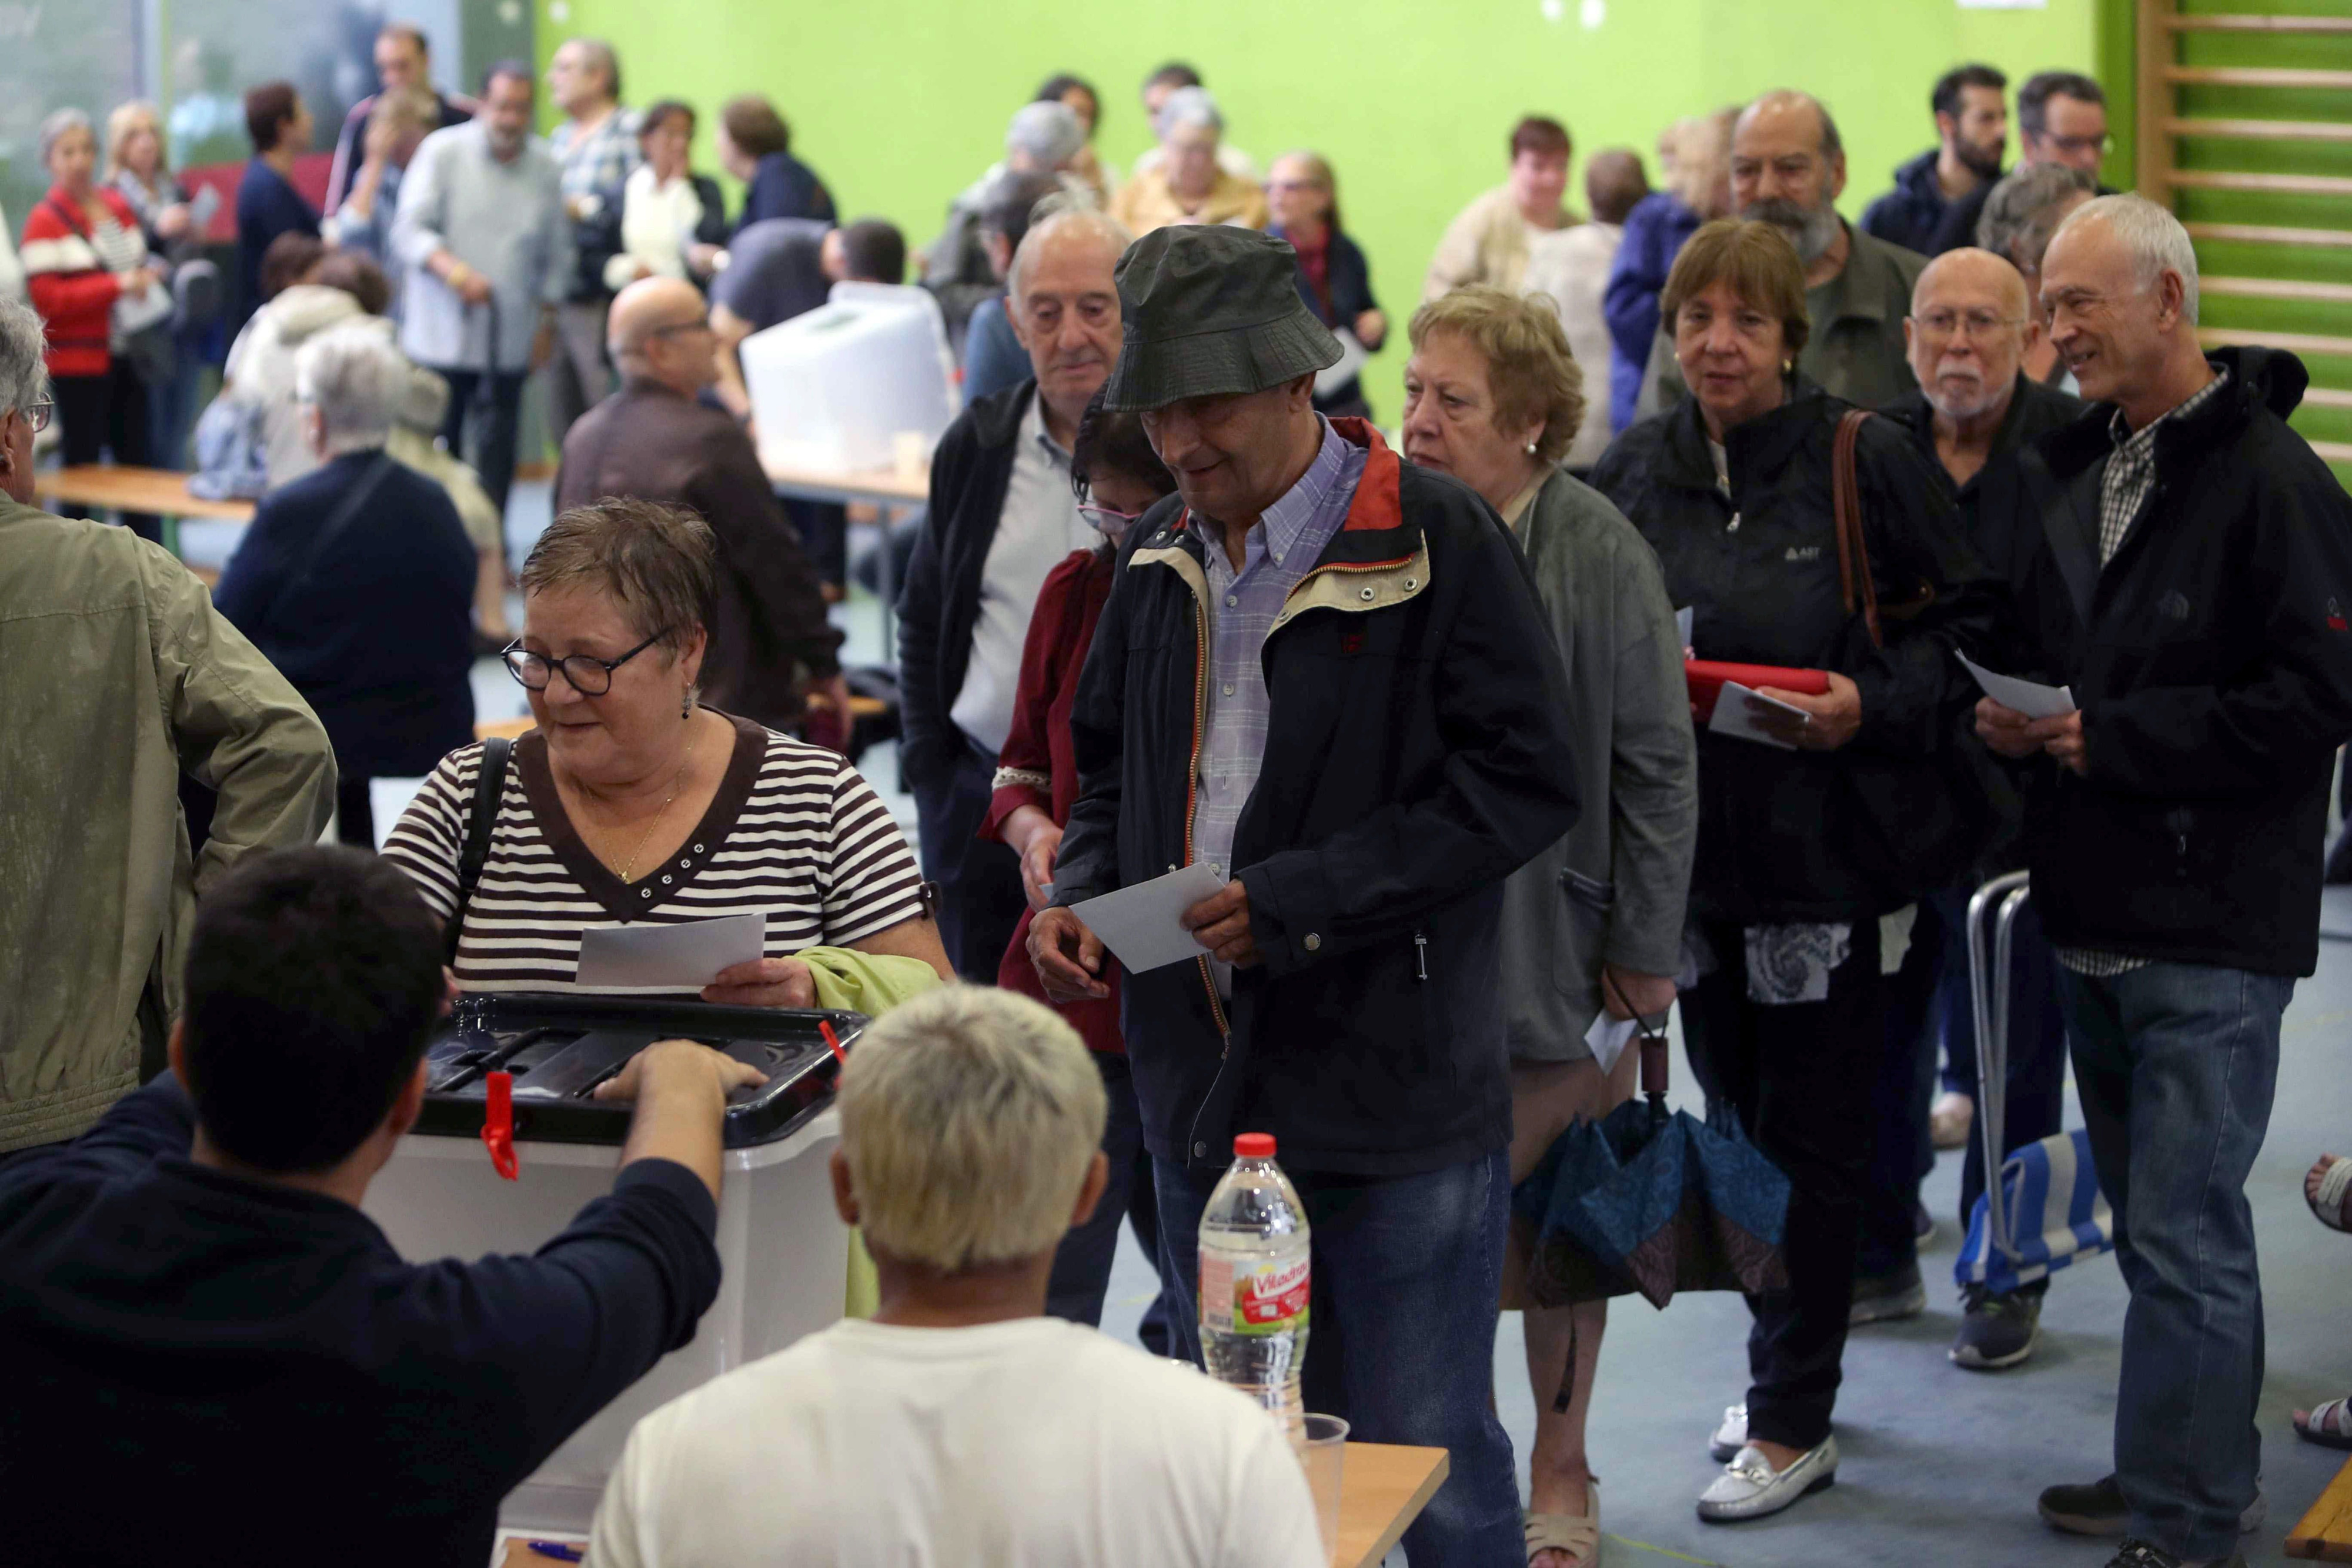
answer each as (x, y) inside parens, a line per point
(962, 1422)
(1592, 924)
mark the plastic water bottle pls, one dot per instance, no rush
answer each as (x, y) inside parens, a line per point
(1253, 1280)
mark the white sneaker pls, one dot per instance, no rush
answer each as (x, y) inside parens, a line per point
(1731, 1437)
(1749, 1489)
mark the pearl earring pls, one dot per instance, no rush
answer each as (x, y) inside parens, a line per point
(1531, 449)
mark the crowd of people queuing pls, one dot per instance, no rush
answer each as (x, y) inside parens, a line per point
(1177, 601)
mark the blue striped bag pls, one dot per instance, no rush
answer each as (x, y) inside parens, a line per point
(2053, 1214)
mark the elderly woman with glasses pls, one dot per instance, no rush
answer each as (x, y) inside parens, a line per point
(1188, 184)
(357, 579)
(631, 803)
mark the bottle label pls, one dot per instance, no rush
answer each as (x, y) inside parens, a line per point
(1266, 1298)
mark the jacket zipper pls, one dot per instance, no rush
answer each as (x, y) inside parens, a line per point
(1421, 955)
(1195, 1148)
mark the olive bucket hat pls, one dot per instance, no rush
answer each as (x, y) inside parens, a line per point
(1207, 310)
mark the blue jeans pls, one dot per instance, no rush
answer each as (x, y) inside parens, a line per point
(1407, 1275)
(2175, 1064)
(1082, 1264)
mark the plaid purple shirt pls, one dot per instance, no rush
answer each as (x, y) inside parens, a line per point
(1278, 554)
(604, 158)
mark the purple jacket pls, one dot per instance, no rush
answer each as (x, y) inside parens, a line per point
(1654, 232)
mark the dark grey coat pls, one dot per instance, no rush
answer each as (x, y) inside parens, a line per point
(1612, 889)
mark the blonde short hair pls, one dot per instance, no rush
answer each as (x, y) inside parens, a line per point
(1530, 369)
(969, 1119)
(134, 116)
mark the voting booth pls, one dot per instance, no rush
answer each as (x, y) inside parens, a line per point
(837, 388)
(509, 1087)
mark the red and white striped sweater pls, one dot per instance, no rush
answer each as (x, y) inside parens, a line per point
(71, 269)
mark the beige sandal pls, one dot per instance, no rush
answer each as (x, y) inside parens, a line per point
(1577, 1535)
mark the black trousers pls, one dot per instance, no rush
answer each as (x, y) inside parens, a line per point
(981, 899)
(98, 415)
(494, 425)
(1803, 1077)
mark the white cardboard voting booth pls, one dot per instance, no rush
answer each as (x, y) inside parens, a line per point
(834, 389)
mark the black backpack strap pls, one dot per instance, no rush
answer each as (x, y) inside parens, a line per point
(481, 816)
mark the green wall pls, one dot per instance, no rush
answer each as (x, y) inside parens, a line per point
(899, 103)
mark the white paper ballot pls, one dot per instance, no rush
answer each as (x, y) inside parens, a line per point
(2031, 698)
(1144, 925)
(1732, 717)
(681, 957)
(1609, 1037)
(1344, 368)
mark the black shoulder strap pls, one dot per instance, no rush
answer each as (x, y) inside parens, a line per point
(481, 816)
(346, 508)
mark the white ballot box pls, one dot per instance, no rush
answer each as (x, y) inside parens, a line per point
(836, 388)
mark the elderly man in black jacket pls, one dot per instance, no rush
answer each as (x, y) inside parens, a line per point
(2183, 563)
(1003, 517)
(1974, 414)
(1325, 674)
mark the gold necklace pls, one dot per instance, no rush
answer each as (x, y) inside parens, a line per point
(628, 871)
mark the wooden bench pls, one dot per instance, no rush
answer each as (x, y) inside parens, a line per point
(114, 488)
(2324, 1535)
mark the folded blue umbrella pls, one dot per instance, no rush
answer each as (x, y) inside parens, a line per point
(1652, 1201)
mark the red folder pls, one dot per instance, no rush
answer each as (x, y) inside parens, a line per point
(1707, 678)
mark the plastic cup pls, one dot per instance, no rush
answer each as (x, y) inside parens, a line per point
(1321, 1452)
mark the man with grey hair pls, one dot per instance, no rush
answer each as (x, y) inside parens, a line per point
(596, 149)
(1788, 168)
(123, 675)
(961, 1416)
(487, 248)
(1969, 327)
(357, 580)
(1001, 517)
(2182, 566)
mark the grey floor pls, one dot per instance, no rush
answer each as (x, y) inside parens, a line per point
(1940, 1466)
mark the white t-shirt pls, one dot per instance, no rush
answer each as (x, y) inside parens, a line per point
(1029, 1444)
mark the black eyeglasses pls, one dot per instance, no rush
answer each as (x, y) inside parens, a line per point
(590, 675)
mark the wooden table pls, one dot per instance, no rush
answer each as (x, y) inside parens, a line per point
(2326, 1533)
(1383, 1488)
(887, 489)
(163, 491)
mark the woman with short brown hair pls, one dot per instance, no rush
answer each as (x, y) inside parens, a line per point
(1815, 839)
(755, 145)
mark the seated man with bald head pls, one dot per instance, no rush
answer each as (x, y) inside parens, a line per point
(1969, 331)
(655, 439)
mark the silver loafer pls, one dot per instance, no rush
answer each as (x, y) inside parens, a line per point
(1748, 1488)
(1729, 1438)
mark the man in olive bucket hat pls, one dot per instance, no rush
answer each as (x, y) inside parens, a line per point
(1325, 673)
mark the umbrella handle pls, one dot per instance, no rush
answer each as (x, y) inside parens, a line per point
(1653, 1049)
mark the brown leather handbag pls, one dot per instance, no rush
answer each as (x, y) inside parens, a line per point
(1856, 584)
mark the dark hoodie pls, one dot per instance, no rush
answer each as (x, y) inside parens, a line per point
(2213, 662)
(1909, 215)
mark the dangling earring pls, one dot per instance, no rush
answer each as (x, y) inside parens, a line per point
(685, 703)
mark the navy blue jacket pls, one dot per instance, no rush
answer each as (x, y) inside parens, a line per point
(268, 205)
(1418, 750)
(1655, 233)
(2212, 659)
(784, 187)
(199, 1365)
(1909, 215)
(379, 641)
